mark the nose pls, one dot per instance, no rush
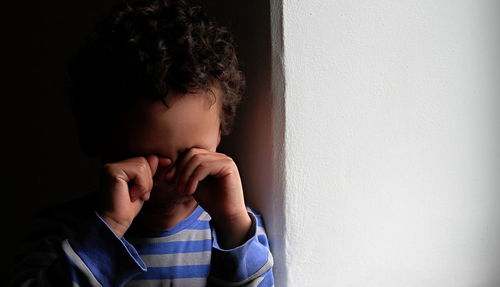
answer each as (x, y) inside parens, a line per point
(165, 172)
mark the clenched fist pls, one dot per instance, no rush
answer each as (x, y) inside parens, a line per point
(214, 181)
(211, 178)
(221, 192)
(125, 186)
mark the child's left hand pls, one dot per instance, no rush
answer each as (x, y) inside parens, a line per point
(214, 181)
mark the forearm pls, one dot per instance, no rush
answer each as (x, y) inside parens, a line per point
(100, 253)
(93, 256)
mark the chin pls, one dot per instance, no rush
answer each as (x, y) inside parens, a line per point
(160, 215)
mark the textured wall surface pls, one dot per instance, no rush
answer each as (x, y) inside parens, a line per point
(392, 142)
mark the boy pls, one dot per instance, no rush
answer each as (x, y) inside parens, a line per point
(153, 91)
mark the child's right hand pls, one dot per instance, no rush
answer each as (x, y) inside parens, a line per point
(125, 186)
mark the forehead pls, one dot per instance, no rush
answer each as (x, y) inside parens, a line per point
(190, 120)
(186, 116)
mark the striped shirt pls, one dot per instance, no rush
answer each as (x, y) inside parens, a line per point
(73, 246)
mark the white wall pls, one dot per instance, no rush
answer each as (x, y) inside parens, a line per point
(390, 114)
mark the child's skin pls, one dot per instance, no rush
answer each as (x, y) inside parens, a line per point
(155, 160)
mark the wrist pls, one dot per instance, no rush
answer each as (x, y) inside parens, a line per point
(116, 226)
(232, 231)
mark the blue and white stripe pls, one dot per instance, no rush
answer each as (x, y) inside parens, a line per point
(76, 248)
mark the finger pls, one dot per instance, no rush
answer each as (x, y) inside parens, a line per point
(198, 175)
(140, 173)
(218, 168)
(146, 196)
(153, 163)
(184, 157)
(183, 161)
(200, 159)
(164, 166)
(138, 189)
(171, 173)
(164, 161)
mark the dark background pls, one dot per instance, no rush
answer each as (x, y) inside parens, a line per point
(43, 161)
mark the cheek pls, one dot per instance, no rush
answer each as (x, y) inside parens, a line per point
(212, 148)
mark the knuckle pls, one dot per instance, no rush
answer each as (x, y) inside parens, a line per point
(107, 168)
(141, 166)
(144, 185)
(149, 184)
(197, 157)
(203, 165)
(113, 179)
(110, 170)
(191, 152)
(198, 171)
(229, 160)
(141, 188)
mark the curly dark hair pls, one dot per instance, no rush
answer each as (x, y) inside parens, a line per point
(148, 48)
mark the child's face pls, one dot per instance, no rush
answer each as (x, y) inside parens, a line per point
(148, 127)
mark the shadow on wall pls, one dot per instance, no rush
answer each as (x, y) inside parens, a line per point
(250, 143)
(58, 31)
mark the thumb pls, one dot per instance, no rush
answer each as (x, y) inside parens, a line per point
(153, 163)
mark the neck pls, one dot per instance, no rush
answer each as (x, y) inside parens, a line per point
(153, 220)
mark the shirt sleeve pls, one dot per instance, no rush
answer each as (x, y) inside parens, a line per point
(249, 264)
(90, 256)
